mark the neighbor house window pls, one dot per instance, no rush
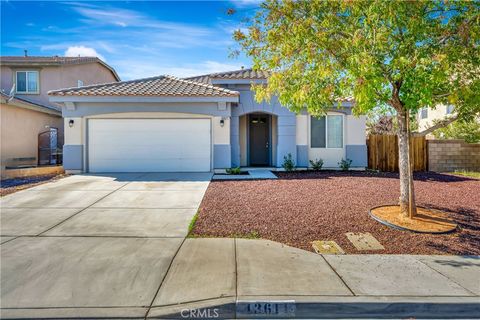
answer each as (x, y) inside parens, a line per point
(449, 109)
(27, 82)
(79, 83)
(424, 113)
(326, 132)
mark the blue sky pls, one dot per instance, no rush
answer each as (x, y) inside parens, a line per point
(138, 38)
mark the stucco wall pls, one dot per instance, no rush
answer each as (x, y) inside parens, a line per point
(354, 142)
(440, 112)
(242, 123)
(283, 129)
(19, 132)
(451, 155)
(57, 77)
(76, 136)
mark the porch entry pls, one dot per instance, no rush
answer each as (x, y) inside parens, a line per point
(259, 141)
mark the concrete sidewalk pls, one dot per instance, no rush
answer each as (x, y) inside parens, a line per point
(240, 278)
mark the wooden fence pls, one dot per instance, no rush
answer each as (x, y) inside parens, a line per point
(383, 152)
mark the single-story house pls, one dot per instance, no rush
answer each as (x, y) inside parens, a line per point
(198, 124)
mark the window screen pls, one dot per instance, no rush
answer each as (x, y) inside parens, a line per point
(317, 133)
(424, 113)
(27, 81)
(335, 131)
(21, 81)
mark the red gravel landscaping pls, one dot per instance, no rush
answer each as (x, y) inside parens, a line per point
(301, 207)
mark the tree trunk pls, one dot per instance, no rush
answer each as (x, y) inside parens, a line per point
(407, 195)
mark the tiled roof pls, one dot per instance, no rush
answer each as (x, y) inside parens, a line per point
(243, 74)
(31, 103)
(52, 61)
(155, 86)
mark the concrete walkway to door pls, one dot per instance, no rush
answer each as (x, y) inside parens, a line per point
(93, 245)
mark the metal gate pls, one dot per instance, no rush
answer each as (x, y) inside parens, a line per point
(50, 147)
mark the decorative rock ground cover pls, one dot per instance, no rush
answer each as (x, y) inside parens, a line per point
(16, 184)
(302, 207)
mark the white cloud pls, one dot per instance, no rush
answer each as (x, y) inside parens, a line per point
(82, 51)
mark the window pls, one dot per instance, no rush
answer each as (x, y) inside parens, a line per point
(27, 82)
(79, 83)
(449, 109)
(326, 132)
(424, 113)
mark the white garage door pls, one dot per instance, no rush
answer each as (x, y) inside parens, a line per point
(149, 145)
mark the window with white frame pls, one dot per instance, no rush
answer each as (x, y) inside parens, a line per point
(79, 83)
(326, 132)
(449, 109)
(27, 82)
(424, 113)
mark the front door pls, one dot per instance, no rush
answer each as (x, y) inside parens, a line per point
(259, 141)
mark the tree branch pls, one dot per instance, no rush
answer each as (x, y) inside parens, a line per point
(438, 125)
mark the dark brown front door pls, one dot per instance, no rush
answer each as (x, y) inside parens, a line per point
(259, 133)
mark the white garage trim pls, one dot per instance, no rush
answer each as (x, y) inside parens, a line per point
(169, 145)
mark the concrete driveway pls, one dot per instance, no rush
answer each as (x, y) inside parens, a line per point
(93, 245)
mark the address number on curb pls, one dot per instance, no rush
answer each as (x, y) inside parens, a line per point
(265, 308)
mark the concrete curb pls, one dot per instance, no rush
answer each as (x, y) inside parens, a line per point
(311, 307)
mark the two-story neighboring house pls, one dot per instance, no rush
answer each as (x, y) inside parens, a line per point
(427, 117)
(24, 105)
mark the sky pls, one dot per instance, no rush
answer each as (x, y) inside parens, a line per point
(138, 38)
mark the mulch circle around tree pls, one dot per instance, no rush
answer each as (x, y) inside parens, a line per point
(425, 221)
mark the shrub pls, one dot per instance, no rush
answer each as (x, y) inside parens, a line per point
(468, 131)
(317, 164)
(345, 164)
(288, 163)
(234, 170)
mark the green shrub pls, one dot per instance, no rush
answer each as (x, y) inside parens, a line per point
(316, 164)
(288, 163)
(468, 131)
(234, 170)
(345, 164)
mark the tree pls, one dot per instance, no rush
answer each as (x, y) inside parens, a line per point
(465, 130)
(403, 54)
(387, 124)
(380, 125)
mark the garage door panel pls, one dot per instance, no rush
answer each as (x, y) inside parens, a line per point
(149, 145)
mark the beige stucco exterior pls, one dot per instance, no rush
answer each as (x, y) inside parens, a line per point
(24, 116)
(57, 77)
(440, 112)
(19, 131)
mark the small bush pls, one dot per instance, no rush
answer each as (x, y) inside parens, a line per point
(288, 163)
(234, 170)
(345, 164)
(316, 164)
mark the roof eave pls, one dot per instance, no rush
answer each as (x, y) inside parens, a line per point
(21, 64)
(117, 77)
(30, 106)
(215, 81)
(147, 99)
